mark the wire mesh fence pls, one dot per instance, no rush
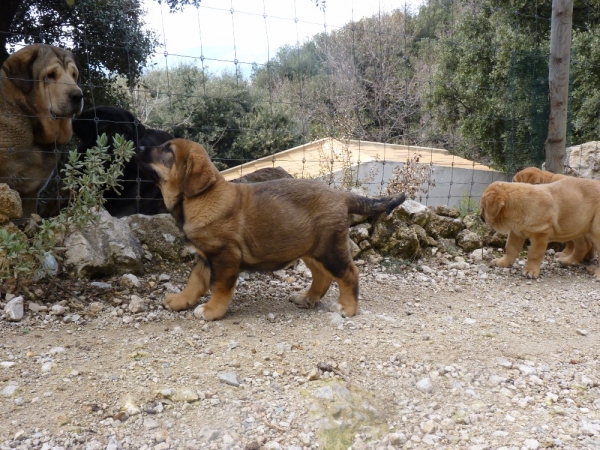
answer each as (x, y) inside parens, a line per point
(460, 85)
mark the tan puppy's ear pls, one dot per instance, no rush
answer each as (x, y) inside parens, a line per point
(199, 175)
(493, 204)
(19, 70)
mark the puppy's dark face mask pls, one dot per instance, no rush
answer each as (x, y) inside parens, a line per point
(157, 162)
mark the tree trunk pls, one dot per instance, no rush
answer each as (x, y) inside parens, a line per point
(558, 80)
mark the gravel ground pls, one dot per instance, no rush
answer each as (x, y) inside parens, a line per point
(444, 353)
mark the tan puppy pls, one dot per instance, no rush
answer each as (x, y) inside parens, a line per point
(567, 209)
(262, 226)
(38, 97)
(533, 175)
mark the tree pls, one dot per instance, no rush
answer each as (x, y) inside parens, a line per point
(107, 37)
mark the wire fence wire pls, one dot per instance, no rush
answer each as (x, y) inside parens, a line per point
(345, 106)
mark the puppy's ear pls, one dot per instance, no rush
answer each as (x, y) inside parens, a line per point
(20, 69)
(199, 174)
(493, 204)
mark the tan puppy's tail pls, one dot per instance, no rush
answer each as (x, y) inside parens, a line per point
(366, 206)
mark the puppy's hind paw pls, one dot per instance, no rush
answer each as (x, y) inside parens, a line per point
(177, 302)
(531, 273)
(500, 262)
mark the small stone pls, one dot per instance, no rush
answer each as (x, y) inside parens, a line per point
(9, 390)
(14, 309)
(271, 317)
(314, 374)
(34, 307)
(130, 280)
(185, 395)
(136, 304)
(336, 319)
(57, 310)
(470, 321)
(7, 364)
(47, 366)
(164, 277)
(526, 370)
(19, 401)
(56, 350)
(129, 406)
(101, 285)
(582, 332)
(503, 362)
(229, 378)
(531, 444)
(304, 438)
(150, 423)
(425, 385)
(272, 445)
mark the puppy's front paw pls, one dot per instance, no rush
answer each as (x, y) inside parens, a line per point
(531, 272)
(501, 262)
(178, 302)
(209, 312)
(594, 270)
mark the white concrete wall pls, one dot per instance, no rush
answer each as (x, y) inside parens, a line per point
(451, 183)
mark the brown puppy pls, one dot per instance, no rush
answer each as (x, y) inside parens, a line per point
(533, 175)
(262, 226)
(565, 210)
(38, 97)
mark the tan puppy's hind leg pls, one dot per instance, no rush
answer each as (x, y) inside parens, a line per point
(569, 246)
(580, 248)
(514, 245)
(196, 286)
(321, 280)
(535, 256)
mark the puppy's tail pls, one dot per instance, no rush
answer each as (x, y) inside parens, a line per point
(366, 206)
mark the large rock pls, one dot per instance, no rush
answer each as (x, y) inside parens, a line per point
(443, 227)
(394, 237)
(413, 212)
(159, 233)
(469, 241)
(10, 204)
(583, 160)
(105, 249)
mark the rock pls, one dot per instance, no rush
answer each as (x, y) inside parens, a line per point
(314, 374)
(101, 285)
(272, 445)
(468, 241)
(96, 307)
(185, 395)
(14, 309)
(425, 385)
(130, 280)
(531, 444)
(394, 237)
(323, 393)
(10, 204)
(136, 304)
(35, 308)
(158, 233)
(479, 255)
(104, 249)
(354, 248)
(7, 364)
(129, 406)
(447, 211)
(57, 310)
(443, 227)
(579, 331)
(413, 212)
(360, 232)
(229, 378)
(9, 390)
(582, 161)
(150, 423)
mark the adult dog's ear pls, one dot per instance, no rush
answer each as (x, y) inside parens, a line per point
(199, 174)
(19, 70)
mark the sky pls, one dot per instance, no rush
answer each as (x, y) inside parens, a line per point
(249, 31)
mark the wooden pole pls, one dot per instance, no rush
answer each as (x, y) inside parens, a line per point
(558, 80)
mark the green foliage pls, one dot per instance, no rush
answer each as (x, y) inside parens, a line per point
(29, 254)
(468, 205)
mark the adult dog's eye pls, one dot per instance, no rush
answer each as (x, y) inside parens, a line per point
(51, 75)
